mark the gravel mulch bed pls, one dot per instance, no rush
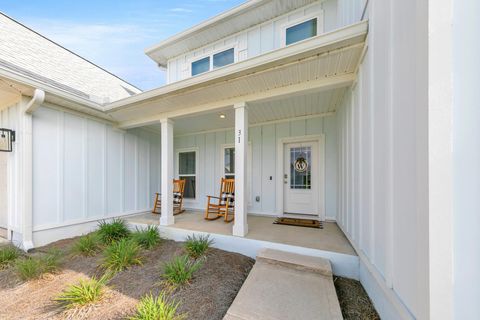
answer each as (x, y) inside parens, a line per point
(208, 296)
(354, 301)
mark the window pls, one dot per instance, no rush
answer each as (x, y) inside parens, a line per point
(213, 61)
(187, 170)
(200, 66)
(223, 58)
(229, 162)
(301, 31)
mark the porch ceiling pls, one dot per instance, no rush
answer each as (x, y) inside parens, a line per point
(311, 104)
(321, 63)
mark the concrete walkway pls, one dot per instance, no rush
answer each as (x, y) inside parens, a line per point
(285, 285)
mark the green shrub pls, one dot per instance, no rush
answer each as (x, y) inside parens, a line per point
(8, 255)
(87, 245)
(150, 308)
(147, 238)
(35, 267)
(197, 246)
(84, 292)
(112, 231)
(121, 254)
(180, 270)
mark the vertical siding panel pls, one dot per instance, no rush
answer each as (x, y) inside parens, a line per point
(220, 139)
(129, 172)
(254, 42)
(74, 168)
(297, 128)
(268, 168)
(255, 135)
(211, 161)
(201, 177)
(95, 168)
(314, 125)
(331, 160)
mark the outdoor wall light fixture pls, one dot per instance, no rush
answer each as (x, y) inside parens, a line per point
(222, 116)
(7, 137)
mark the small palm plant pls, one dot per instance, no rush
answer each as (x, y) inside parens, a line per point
(8, 255)
(159, 308)
(88, 245)
(121, 255)
(147, 238)
(180, 270)
(197, 247)
(112, 231)
(86, 291)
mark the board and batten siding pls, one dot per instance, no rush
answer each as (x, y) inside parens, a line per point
(84, 170)
(10, 118)
(263, 144)
(256, 40)
(382, 163)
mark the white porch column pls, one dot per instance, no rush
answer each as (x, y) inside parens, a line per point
(240, 226)
(167, 172)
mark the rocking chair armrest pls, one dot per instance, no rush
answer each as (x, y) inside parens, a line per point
(158, 193)
(214, 197)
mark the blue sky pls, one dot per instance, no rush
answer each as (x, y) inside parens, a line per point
(114, 34)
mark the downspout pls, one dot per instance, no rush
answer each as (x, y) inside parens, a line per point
(26, 194)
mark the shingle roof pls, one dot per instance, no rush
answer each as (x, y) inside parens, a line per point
(28, 52)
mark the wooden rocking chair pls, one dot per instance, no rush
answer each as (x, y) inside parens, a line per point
(224, 205)
(178, 190)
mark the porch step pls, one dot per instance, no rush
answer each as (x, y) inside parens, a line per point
(283, 285)
(295, 261)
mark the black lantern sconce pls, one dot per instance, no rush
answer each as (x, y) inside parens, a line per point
(7, 138)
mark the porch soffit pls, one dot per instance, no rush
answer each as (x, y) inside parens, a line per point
(328, 61)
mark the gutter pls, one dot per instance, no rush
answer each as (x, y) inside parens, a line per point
(37, 99)
(26, 165)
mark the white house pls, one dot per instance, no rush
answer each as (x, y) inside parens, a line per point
(376, 96)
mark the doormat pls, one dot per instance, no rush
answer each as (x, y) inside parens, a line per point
(309, 223)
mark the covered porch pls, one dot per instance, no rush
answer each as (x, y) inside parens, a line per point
(269, 123)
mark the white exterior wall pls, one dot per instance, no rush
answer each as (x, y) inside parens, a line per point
(383, 154)
(466, 159)
(263, 143)
(85, 170)
(257, 40)
(10, 119)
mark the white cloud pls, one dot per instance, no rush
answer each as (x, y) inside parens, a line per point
(183, 10)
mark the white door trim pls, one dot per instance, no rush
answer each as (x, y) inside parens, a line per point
(320, 139)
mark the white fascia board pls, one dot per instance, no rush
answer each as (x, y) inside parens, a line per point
(340, 38)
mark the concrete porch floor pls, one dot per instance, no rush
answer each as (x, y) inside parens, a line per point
(330, 238)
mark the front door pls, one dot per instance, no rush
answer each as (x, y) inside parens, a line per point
(300, 178)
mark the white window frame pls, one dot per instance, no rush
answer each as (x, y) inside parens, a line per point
(318, 15)
(211, 54)
(177, 169)
(249, 167)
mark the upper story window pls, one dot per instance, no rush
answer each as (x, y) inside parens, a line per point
(215, 60)
(200, 66)
(301, 31)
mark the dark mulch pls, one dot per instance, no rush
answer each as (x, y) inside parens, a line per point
(208, 296)
(354, 301)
